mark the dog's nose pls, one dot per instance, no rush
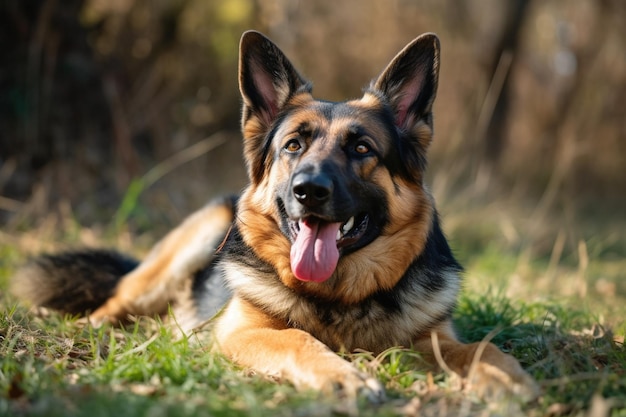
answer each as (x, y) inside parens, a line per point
(312, 189)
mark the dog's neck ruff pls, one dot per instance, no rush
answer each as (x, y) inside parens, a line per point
(424, 296)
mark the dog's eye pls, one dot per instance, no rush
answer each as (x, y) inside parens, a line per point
(293, 146)
(362, 148)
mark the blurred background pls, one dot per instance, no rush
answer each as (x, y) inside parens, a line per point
(126, 113)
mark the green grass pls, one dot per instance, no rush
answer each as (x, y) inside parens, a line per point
(53, 365)
(58, 366)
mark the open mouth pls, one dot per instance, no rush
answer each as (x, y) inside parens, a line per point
(316, 244)
(351, 231)
(348, 233)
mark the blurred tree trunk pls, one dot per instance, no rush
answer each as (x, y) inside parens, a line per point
(566, 128)
(503, 59)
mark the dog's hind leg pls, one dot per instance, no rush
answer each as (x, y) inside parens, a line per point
(167, 270)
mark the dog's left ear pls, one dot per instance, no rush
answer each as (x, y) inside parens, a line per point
(409, 83)
(266, 78)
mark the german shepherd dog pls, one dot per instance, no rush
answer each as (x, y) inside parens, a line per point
(335, 244)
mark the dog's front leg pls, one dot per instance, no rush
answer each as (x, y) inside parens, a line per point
(489, 371)
(251, 338)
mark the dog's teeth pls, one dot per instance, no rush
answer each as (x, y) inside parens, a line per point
(348, 225)
(345, 228)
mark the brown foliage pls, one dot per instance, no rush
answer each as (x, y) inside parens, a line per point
(95, 93)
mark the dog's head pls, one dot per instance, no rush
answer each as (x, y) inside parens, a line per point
(334, 183)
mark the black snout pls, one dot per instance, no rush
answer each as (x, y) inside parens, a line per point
(312, 189)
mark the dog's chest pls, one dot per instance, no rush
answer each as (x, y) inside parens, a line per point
(388, 319)
(368, 326)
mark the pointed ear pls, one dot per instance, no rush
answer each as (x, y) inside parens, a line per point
(409, 83)
(266, 78)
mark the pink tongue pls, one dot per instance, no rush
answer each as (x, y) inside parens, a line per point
(314, 254)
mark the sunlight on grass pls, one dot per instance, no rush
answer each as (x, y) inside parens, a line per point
(53, 364)
(558, 307)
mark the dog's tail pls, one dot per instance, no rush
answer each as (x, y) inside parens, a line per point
(74, 282)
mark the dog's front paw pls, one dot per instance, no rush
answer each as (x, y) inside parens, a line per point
(341, 379)
(493, 382)
(358, 384)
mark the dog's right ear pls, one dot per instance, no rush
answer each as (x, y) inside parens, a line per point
(267, 80)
